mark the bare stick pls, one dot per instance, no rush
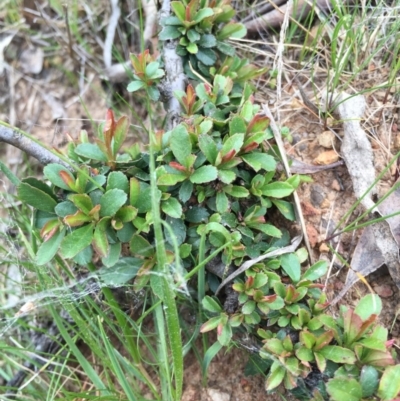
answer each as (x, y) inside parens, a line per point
(112, 26)
(174, 76)
(29, 146)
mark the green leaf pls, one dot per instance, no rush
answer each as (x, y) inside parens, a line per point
(185, 191)
(316, 271)
(208, 147)
(179, 10)
(277, 189)
(338, 354)
(192, 48)
(136, 85)
(154, 93)
(236, 191)
(196, 214)
(141, 247)
(91, 151)
(258, 161)
(113, 255)
(211, 305)
(171, 179)
(180, 144)
(226, 334)
(9, 174)
(172, 207)
(52, 173)
(389, 386)
(126, 213)
(203, 13)
(207, 40)
(232, 30)
(291, 265)
(286, 208)
(40, 185)
(234, 142)
(305, 354)
(269, 229)
(206, 56)
(134, 191)
(275, 377)
(222, 202)
(210, 324)
(75, 242)
(65, 208)
(111, 201)
(370, 304)
(168, 33)
(120, 132)
(82, 202)
(204, 174)
(100, 241)
(48, 249)
(343, 388)
(248, 307)
(369, 380)
(117, 180)
(193, 35)
(226, 176)
(152, 68)
(237, 126)
(36, 197)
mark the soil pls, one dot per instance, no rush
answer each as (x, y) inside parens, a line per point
(49, 105)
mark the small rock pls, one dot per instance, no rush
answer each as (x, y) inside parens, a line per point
(335, 185)
(317, 195)
(326, 139)
(312, 234)
(191, 394)
(31, 60)
(384, 290)
(217, 395)
(245, 384)
(323, 248)
(327, 157)
(309, 210)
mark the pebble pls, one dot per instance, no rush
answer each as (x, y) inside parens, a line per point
(312, 234)
(309, 210)
(317, 195)
(323, 248)
(335, 185)
(327, 157)
(326, 139)
(384, 290)
(217, 395)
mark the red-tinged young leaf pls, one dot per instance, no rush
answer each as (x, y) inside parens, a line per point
(68, 179)
(77, 219)
(49, 229)
(52, 173)
(258, 123)
(225, 335)
(250, 147)
(95, 213)
(178, 166)
(375, 358)
(232, 146)
(109, 128)
(229, 156)
(211, 324)
(351, 327)
(323, 340)
(121, 130)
